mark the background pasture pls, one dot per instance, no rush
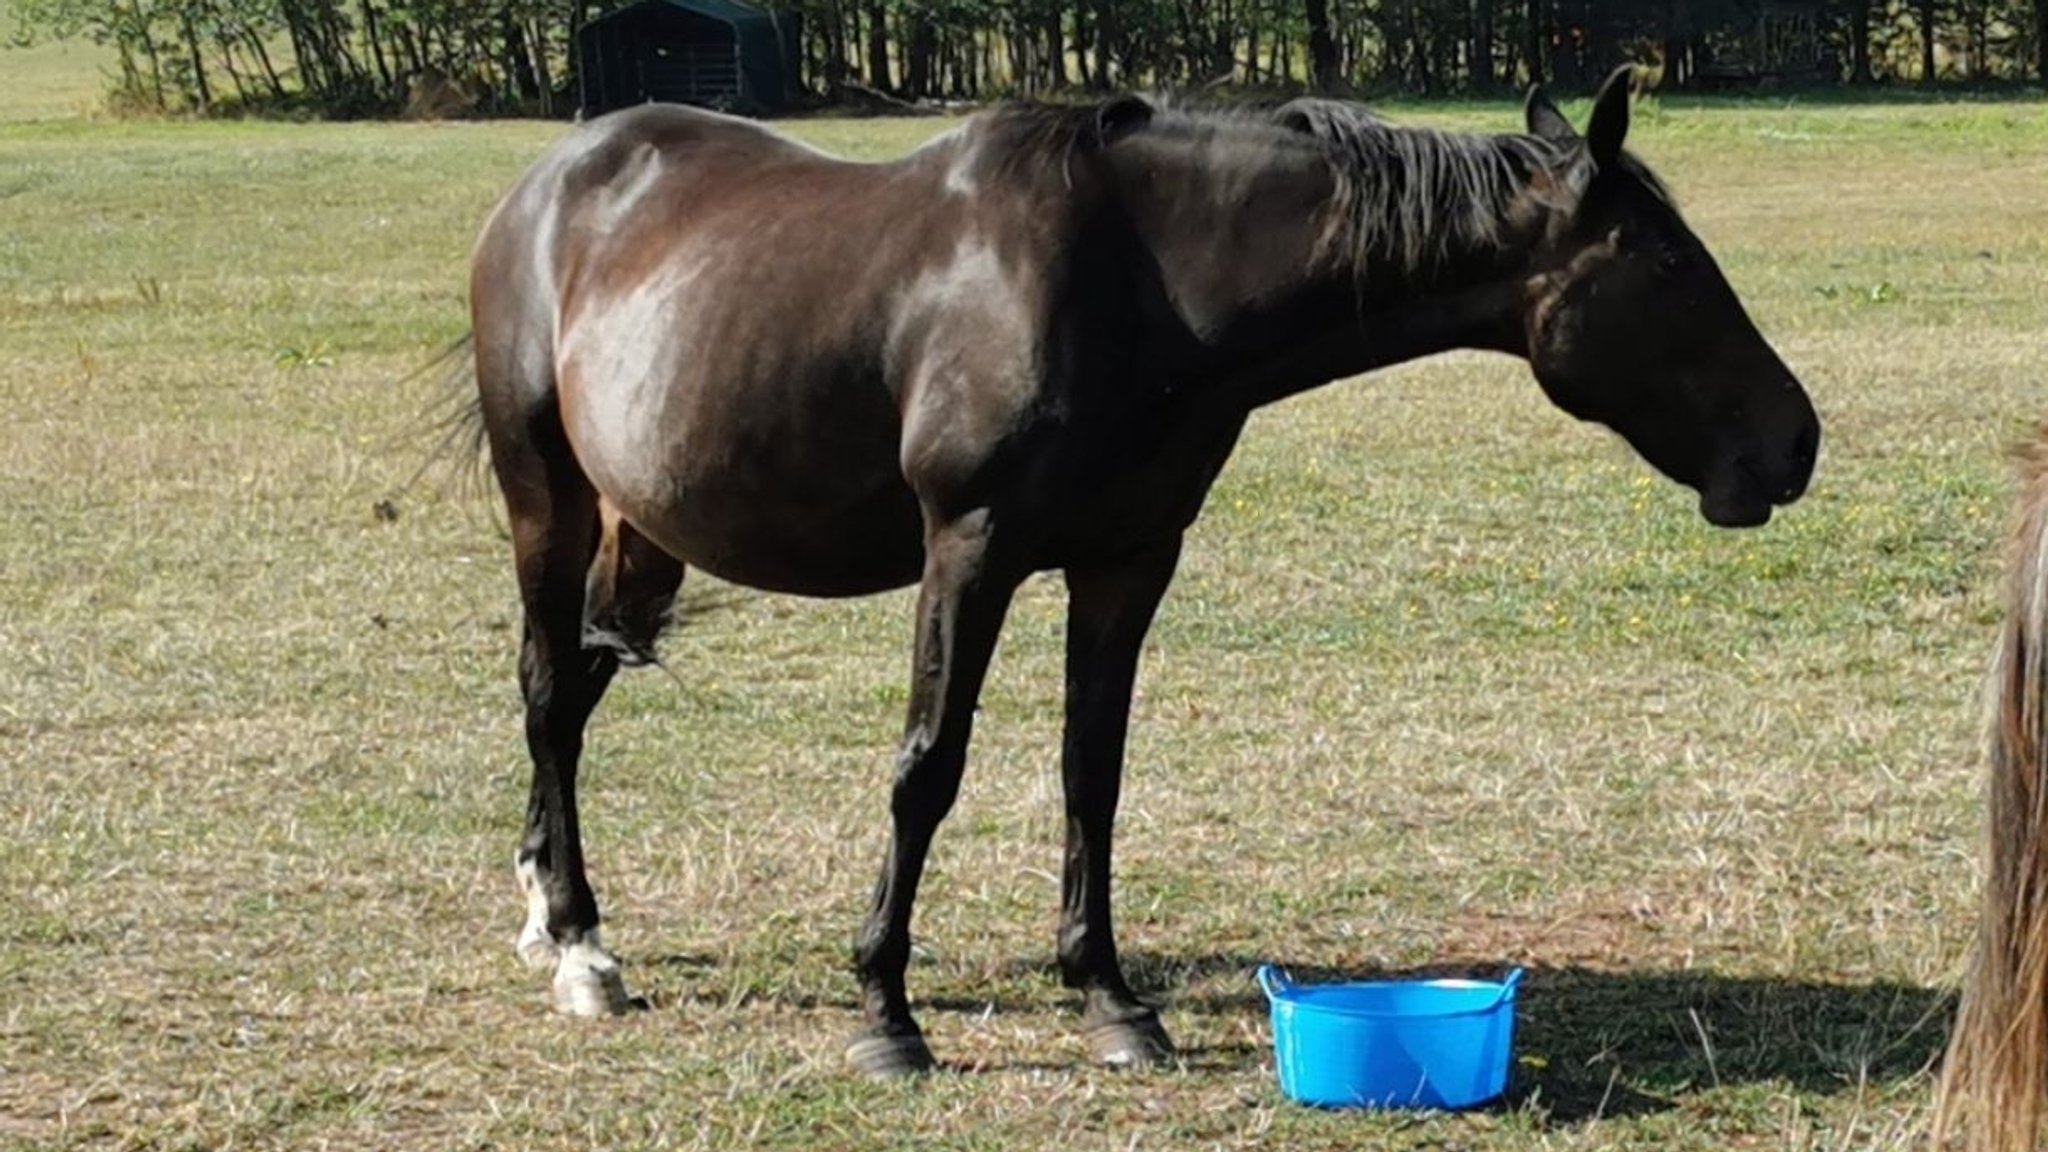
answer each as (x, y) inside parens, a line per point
(1448, 682)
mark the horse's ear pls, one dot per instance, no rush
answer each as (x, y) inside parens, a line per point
(1609, 125)
(1121, 117)
(1545, 121)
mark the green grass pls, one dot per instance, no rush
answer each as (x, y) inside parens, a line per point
(1447, 682)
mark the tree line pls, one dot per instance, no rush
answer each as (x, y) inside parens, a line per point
(377, 57)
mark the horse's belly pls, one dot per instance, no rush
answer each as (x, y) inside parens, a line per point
(735, 455)
(772, 507)
(846, 546)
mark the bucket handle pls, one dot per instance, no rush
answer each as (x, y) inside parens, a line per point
(1274, 981)
(1508, 986)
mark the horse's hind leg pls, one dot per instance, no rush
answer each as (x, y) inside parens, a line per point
(629, 592)
(554, 521)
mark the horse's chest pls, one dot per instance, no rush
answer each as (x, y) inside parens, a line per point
(1124, 491)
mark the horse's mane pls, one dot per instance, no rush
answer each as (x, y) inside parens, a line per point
(1407, 196)
(1411, 195)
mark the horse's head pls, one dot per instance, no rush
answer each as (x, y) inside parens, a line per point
(1630, 323)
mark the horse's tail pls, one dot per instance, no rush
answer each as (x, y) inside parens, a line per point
(454, 421)
(1994, 1085)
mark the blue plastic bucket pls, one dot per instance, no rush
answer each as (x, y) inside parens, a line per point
(1394, 1044)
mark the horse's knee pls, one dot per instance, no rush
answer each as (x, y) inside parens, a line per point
(927, 784)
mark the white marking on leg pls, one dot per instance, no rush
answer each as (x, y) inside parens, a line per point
(588, 983)
(536, 945)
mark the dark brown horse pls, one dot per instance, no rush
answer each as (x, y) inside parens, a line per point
(1029, 345)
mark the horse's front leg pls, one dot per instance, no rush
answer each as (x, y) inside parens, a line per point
(1110, 608)
(960, 610)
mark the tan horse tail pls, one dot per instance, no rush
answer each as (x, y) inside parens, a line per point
(1995, 1081)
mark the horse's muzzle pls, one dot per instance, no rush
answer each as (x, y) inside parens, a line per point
(1742, 492)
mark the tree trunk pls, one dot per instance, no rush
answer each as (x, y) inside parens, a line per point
(149, 52)
(917, 61)
(1418, 48)
(200, 89)
(518, 65)
(537, 42)
(1324, 71)
(227, 62)
(374, 41)
(1082, 40)
(270, 76)
(1859, 42)
(405, 51)
(1105, 36)
(1980, 42)
(1023, 73)
(878, 47)
(1057, 43)
(2041, 39)
(1481, 63)
(131, 77)
(835, 49)
(1533, 39)
(1926, 41)
(345, 63)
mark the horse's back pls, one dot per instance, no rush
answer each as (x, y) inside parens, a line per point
(619, 212)
(607, 167)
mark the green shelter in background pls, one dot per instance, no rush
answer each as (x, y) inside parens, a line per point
(719, 54)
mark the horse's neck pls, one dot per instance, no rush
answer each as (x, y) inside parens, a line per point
(1269, 261)
(1233, 224)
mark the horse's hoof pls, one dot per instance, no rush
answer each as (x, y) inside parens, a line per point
(538, 948)
(588, 983)
(890, 1055)
(1139, 1042)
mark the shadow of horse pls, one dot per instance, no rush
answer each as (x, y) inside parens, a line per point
(1596, 1043)
(1590, 1043)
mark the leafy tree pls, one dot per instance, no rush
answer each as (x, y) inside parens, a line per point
(371, 57)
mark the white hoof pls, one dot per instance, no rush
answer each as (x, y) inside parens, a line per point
(588, 982)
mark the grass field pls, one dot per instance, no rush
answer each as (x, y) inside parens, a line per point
(1447, 683)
